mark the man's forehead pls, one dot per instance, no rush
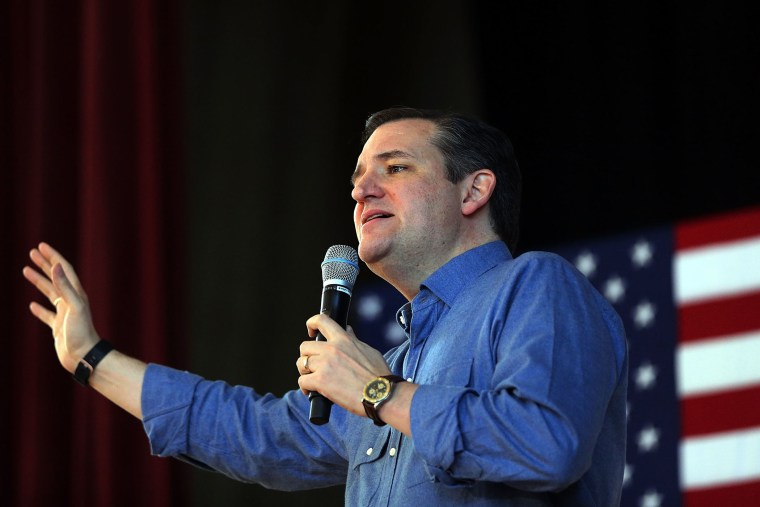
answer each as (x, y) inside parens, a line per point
(408, 138)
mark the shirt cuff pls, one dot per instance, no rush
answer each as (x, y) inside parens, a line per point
(435, 428)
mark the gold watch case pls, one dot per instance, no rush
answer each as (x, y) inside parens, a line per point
(377, 390)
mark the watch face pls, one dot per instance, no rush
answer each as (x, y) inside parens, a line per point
(376, 389)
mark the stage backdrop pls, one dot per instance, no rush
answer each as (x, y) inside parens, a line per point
(623, 116)
(90, 153)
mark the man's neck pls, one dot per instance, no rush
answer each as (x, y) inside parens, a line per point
(407, 277)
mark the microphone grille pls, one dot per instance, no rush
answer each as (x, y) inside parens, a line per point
(341, 263)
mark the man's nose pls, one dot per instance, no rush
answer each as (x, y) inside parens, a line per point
(366, 186)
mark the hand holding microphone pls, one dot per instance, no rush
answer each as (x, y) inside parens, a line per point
(339, 271)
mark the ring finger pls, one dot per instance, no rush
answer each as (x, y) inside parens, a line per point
(305, 365)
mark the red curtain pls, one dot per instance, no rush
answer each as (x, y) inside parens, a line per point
(90, 150)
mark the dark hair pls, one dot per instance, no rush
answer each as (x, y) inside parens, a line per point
(468, 144)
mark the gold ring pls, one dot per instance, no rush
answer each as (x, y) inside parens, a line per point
(306, 364)
(57, 300)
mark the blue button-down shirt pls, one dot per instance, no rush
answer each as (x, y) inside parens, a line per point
(522, 368)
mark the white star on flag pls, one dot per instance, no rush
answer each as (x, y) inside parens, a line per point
(646, 376)
(641, 253)
(586, 264)
(370, 307)
(643, 314)
(394, 333)
(648, 439)
(651, 499)
(614, 289)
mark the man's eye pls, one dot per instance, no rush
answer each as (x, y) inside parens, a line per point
(396, 168)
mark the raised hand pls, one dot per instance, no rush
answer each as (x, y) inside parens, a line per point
(70, 320)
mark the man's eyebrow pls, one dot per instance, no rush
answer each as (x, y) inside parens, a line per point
(393, 154)
(386, 155)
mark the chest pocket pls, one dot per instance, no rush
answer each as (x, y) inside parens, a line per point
(456, 372)
(365, 473)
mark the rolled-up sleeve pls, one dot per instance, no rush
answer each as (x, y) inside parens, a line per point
(558, 360)
(167, 396)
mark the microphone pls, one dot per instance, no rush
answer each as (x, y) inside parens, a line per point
(339, 271)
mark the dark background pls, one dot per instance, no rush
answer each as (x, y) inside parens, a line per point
(623, 115)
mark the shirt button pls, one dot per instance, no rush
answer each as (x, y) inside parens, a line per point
(392, 451)
(369, 451)
(409, 379)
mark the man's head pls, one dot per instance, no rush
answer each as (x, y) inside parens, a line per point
(468, 144)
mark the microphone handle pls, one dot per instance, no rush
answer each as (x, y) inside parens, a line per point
(335, 302)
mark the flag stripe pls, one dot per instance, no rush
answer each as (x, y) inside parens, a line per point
(695, 365)
(740, 494)
(729, 315)
(719, 229)
(720, 459)
(710, 272)
(720, 412)
(730, 362)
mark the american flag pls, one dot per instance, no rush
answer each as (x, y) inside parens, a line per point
(689, 296)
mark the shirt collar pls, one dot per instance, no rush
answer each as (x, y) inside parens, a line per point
(449, 280)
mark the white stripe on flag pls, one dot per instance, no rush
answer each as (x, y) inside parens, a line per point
(728, 362)
(721, 458)
(718, 270)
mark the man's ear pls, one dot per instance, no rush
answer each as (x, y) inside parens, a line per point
(477, 189)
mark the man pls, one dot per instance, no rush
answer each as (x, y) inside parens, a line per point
(509, 391)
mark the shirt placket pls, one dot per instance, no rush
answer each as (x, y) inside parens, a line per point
(418, 328)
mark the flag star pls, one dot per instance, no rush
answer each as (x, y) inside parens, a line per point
(394, 334)
(586, 264)
(369, 307)
(641, 253)
(651, 499)
(627, 475)
(614, 289)
(648, 439)
(646, 376)
(643, 314)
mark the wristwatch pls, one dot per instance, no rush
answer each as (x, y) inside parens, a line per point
(88, 363)
(376, 392)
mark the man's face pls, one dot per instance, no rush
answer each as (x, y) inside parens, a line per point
(407, 213)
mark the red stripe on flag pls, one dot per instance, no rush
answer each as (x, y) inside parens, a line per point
(719, 229)
(724, 411)
(719, 317)
(746, 493)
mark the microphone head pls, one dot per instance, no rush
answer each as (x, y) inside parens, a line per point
(341, 266)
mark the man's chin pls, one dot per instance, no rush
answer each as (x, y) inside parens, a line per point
(371, 253)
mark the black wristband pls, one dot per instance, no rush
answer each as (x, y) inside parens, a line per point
(88, 363)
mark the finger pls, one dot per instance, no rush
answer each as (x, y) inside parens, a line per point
(54, 257)
(308, 384)
(41, 283)
(312, 347)
(330, 329)
(304, 390)
(43, 314)
(64, 288)
(304, 364)
(41, 261)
